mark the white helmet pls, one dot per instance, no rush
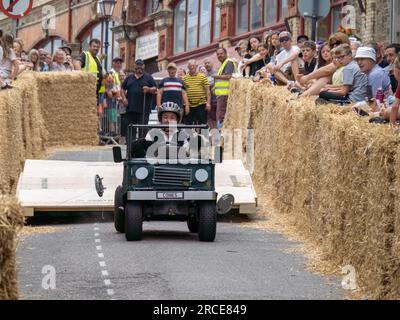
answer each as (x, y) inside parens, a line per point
(170, 107)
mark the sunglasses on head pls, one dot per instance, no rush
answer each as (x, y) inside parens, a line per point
(335, 44)
(284, 39)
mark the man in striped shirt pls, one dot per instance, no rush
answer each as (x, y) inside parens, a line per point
(172, 89)
(198, 91)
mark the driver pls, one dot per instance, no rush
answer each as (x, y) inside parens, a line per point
(169, 113)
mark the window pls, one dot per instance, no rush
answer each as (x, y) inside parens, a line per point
(151, 6)
(205, 22)
(284, 9)
(270, 11)
(254, 14)
(179, 27)
(217, 22)
(336, 18)
(256, 18)
(53, 44)
(192, 23)
(196, 23)
(242, 9)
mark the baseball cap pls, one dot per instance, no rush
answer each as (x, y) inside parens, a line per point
(365, 52)
(139, 61)
(172, 65)
(302, 37)
(66, 47)
(118, 59)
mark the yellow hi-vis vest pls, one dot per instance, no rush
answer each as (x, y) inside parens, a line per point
(222, 86)
(115, 74)
(91, 67)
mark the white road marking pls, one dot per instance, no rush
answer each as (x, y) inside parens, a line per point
(110, 292)
(102, 264)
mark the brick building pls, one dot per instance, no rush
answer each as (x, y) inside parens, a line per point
(160, 31)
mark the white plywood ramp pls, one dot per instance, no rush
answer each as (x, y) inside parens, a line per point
(48, 185)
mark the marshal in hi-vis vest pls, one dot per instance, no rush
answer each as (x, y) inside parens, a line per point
(222, 86)
(91, 67)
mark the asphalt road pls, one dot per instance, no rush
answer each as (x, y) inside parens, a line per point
(92, 261)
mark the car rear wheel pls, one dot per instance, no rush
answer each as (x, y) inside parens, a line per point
(119, 215)
(193, 224)
(133, 221)
(208, 221)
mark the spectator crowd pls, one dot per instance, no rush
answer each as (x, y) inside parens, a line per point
(342, 71)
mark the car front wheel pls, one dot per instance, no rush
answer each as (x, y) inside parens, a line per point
(133, 221)
(208, 221)
(119, 215)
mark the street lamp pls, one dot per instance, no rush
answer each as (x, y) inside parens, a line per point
(106, 8)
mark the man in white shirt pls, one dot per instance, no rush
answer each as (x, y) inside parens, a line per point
(287, 65)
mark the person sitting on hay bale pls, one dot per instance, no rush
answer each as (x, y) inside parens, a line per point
(392, 114)
(9, 64)
(355, 83)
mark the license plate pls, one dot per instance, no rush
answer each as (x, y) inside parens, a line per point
(170, 195)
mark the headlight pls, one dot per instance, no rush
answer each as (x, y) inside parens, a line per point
(142, 173)
(201, 175)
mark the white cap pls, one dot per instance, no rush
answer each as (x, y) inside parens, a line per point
(365, 52)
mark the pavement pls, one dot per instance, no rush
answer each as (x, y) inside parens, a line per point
(91, 261)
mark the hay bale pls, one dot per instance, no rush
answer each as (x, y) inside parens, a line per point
(11, 221)
(68, 105)
(331, 174)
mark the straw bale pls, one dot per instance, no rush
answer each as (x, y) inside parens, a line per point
(68, 104)
(332, 174)
(11, 221)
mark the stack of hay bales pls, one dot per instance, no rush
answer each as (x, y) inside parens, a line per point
(43, 109)
(11, 221)
(335, 175)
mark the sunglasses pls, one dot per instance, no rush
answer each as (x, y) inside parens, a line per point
(285, 39)
(340, 58)
(335, 44)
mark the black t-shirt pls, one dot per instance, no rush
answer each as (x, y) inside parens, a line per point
(257, 65)
(310, 67)
(82, 59)
(135, 94)
(172, 90)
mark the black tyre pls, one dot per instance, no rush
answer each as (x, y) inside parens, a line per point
(193, 224)
(119, 215)
(208, 221)
(133, 221)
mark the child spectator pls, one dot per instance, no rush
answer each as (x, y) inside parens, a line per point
(309, 51)
(355, 83)
(254, 43)
(324, 55)
(9, 64)
(242, 50)
(111, 95)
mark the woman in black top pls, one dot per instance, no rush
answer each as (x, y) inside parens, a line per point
(254, 43)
